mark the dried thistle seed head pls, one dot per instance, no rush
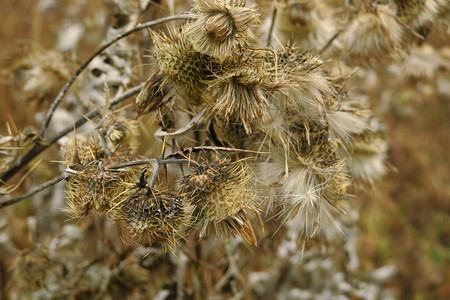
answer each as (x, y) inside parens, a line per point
(308, 91)
(156, 92)
(307, 23)
(41, 74)
(418, 13)
(12, 147)
(367, 161)
(315, 144)
(242, 96)
(309, 193)
(319, 152)
(373, 36)
(121, 132)
(91, 189)
(30, 268)
(346, 123)
(80, 151)
(154, 216)
(94, 189)
(91, 185)
(184, 66)
(222, 196)
(221, 27)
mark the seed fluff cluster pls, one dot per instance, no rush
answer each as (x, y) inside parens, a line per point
(281, 102)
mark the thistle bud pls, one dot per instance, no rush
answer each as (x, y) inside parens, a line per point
(185, 67)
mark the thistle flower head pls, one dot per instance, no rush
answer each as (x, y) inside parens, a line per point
(12, 146)
(373, 36)
(184, 66)
(308, 92)
(242, 96)
(418, 13)
(221, 193)
(40, 73)
(91, 184)
(221, 26)
(154, 216)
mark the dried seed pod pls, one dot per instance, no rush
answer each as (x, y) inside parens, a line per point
(41, 74)
(92, 189)
(223, 199)
(221, 26)
(91, 185)
(418, 13)
(153, 216)
(373, 36)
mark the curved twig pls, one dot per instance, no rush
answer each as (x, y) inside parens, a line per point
(330, 41)
(160, 161)
(213, 148)
(33, 191)
(162, 134)
(65, 89)
(156, 162)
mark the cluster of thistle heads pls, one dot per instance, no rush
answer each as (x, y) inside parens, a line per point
(297, 138)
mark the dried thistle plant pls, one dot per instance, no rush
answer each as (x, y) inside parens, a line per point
(243, 129)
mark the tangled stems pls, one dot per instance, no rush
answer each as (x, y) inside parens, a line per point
(155, 162)
(40, 144)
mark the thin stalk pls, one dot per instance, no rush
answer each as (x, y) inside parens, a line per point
(66, 87)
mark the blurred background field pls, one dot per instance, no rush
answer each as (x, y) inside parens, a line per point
(404, 217)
